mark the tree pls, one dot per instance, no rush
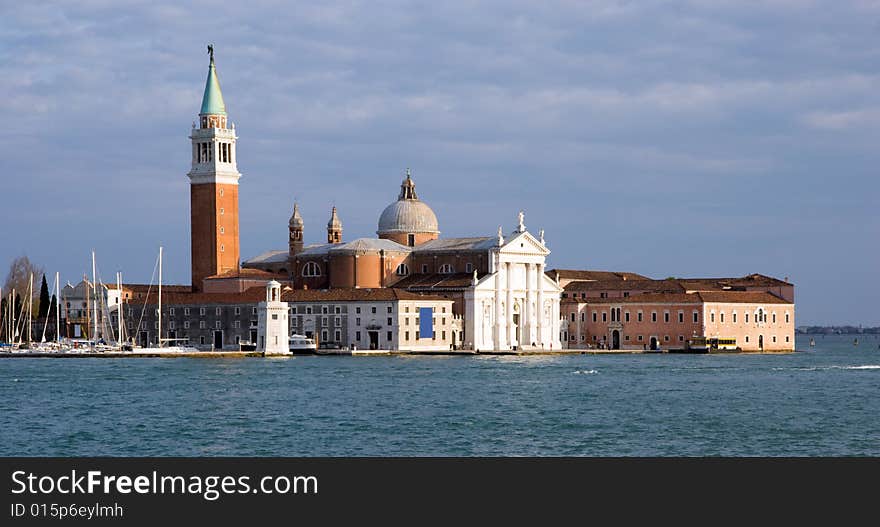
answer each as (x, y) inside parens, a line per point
(19, 276)
(44, 299)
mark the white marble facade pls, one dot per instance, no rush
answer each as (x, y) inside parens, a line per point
(516, 305)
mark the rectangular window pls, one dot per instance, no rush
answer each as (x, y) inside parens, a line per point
(640, 338)
(324, 321)
(666, 317)
(186, 325)
(681, 317)
(572, 317)
(357, 310)
(681, 338)
(721, 319)
(217, 324)
(389, 321)
(337, 335)
(201, 324)
(774, 321)
(217, 311)
(640, 316)
(626, 316)
(604, 316)
(696, 317)
(594, 316)
(389, 337)
(583, 317)
(373, 309)
(406, 335)
(324, 335)
(653, 316)
(309, 310)
(236, 324)
(786, 321)
(337, 321)
(274, 317)
(337, 310)
(171, 311)
(237, 310)
(253, 311)
(468, 268)
(293, 310)
(357, 321)
(201, 311)
(424, 271)
(388, 309)
(324, 310)
(202, 340)
(712, 317)
(747, 318)
(734, 318)
(357, 335)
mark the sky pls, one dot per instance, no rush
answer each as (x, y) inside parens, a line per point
(691, 139)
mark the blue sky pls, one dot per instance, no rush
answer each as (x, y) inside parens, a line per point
(701, 138)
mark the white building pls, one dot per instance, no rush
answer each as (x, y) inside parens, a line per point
(516, 305)
(272, 336)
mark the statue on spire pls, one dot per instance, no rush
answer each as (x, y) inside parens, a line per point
(500, 236)
(211, 51)
(522, 226)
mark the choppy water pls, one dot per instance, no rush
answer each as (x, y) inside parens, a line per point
(823, 401)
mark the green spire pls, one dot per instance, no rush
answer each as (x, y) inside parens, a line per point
(212, 101)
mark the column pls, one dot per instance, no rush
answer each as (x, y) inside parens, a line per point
(529, 323)
(508, 316)
(498, 314)
(540, 306)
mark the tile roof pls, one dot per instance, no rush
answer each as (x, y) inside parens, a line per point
(250, 296)
(245, 273)
(436, 281)
(731, 297)
(353, 295)
(457, 244)
(370, 244)
(268, 257)
(575, 274)
(626, 285)
(750, 297)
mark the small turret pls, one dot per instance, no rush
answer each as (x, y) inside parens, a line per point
(334, 228)
(295, 226)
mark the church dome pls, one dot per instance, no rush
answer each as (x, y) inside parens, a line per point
(408, 214)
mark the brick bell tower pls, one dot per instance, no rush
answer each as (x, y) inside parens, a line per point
(213, 187)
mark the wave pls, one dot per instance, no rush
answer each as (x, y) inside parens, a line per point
(585, 372)
(833, 367)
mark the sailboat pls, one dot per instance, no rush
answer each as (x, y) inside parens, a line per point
(172, 348)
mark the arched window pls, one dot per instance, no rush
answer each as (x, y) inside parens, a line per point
(402, 270)
(447, 269)
(311, 269)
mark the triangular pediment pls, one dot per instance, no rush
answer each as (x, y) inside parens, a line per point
(523, 243)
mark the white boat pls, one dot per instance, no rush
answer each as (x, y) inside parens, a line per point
(302, 344)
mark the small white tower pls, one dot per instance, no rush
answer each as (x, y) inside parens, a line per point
(272, 334)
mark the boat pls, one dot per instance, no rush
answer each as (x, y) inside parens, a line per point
(301, 344)
(812, 342)
(175, 348)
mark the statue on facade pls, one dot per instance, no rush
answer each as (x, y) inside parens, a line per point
(522, 226)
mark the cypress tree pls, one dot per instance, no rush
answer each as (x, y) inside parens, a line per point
(4, 315)
(44, 299)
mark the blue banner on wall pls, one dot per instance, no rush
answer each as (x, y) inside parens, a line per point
(426, 322)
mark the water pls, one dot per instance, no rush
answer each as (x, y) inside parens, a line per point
(820, 402)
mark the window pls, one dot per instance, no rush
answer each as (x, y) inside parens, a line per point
(222, 211)
(237, 310)
(357, 310)
(311, 269)
(640, 316)
(653, 316)
(201, 324)
(237, 324)
(217, 324)
(774, 321)
(786, 338)
(171, 325)
(324, 321)
(253, 311)
(324, 310)
(446, 269)
(417, 335)
(774, 338)
(337, 335)
(293, 310)
(222, 248)
(337, 310)
(603, 295)
(468, 267)
(712, 317)
(388, 309)
(424, 268)
(406, 335)
(626, 316)
(625, 294)
(222, 230)
(626, 337)
(171, 311)
(337, 321)
(357, 321)
(604, 316)
(747, 338)
(202, 340)
(218, 311)
(696, 317)
(734, 317)
(786, 321)
(747, 318)
(389, 321)
(186, 324)
(583, 316)
(572, 317)
(721, 318)
(666, 338)
(681, 338)
(389, 337)
(402, 270)
(681, 317)
(309, 310)
(640, 338)
(202, 311)
(373, 310)
(594, 316)
(324, 335)
(666, 317)
(406, 321)
(357, 335)
(411, 239)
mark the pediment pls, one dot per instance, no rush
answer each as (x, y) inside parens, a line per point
(523, 243)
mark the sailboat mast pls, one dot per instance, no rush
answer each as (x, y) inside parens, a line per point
(30, 307)
(94, 300)
(160, 297)
(57, 307)
(119, 308)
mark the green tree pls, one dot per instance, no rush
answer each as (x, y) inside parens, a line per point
(44, 299)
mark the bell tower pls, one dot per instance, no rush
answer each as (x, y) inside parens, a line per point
(295, 226)
(213, 187)
(334, 228)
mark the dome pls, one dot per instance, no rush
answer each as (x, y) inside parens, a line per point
(408, 214)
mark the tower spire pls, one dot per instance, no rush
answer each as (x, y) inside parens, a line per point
(212, 100)
(334, 228)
